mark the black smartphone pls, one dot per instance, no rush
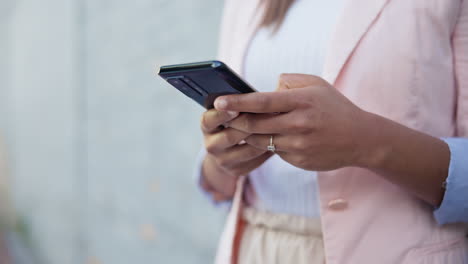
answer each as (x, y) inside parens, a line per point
(204, 81)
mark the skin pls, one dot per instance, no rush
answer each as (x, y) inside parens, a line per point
(226, 159)
(316, 128)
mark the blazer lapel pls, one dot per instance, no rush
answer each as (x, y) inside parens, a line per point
(355, 21)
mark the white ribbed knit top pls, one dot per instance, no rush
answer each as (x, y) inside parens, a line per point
(298, 47)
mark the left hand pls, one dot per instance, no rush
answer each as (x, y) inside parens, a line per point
(314, 126)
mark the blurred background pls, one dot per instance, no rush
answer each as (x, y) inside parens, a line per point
(96, 152)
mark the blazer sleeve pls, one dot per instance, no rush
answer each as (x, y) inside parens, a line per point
(460, 48)
(454, 207)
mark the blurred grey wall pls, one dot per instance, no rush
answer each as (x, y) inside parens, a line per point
(101, 151)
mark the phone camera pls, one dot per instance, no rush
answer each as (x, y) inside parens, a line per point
(187, 86)
(177, 83)
(194, 86)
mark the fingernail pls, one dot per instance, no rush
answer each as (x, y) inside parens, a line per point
(220, 103)
(233, 114)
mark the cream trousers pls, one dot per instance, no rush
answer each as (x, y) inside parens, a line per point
(275, 239)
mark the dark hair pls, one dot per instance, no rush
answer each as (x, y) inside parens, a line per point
(274, 12)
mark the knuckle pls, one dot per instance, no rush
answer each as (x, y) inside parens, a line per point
(229, 137)
(204, 122)
(299, 144)
(211, 148)
(221, 116)
(232, 100)
(301, 125)
(212, 119)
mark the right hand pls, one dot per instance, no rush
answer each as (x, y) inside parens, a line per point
(226, 159)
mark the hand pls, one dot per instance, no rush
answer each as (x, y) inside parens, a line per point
(226, 159)
(314, 126)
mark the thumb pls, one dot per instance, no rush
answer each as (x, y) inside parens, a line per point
(296, 80)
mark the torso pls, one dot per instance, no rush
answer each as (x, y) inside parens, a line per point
(395, 58)
(278, 186)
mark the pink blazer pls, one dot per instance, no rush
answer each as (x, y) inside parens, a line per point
(406, 60)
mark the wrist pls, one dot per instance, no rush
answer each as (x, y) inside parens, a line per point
(406, 157)
(374, 145)
(216, 180)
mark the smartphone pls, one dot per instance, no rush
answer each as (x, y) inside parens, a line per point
(204, 81)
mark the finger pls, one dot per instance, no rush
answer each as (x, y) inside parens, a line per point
(228, 137)
(270, 123)
(293, 80)
(238, 154)
(205, 186)
(272, 102)
(260, 123)
(282, 143)
(213, 119)
(246, 167)
(219, 197)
